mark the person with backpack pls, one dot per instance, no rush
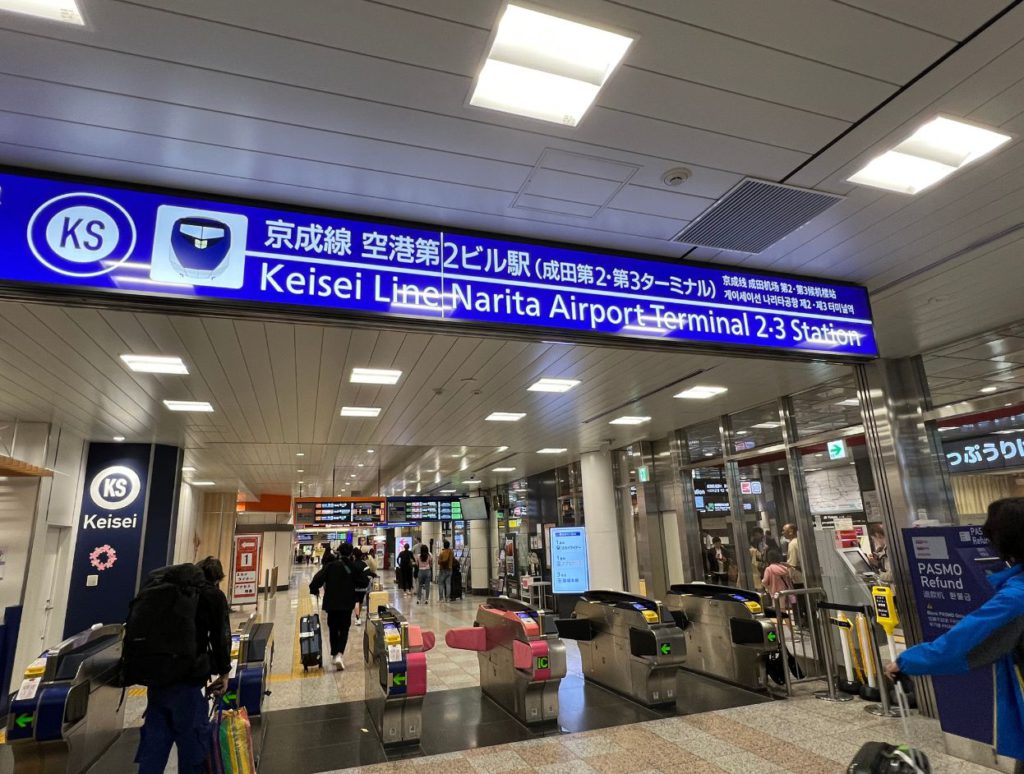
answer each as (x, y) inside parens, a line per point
(445, 565)
(339, 580)
(176, 636)
(404, 573)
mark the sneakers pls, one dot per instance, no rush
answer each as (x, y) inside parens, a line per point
(339, 662)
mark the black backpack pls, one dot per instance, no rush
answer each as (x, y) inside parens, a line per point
(160, 638)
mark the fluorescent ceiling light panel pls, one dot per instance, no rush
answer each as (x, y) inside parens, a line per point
(504, 416)
(701, 393)
(359, 411)
(630, 421)
(553, 385)
(188, 405)
(849, 402)
(472, 481)
(374, 376)
(502, 470)
(767, 425)
(935, 150)
(448, 491)
(546, 67)
(202, 483)
(155, 364)
(55, 10)
(188, 469)
(990, 388)
(552, 451)
(119, 438)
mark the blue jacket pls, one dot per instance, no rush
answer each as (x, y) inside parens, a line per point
(992, 634)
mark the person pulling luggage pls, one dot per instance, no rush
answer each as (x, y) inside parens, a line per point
(339, 580)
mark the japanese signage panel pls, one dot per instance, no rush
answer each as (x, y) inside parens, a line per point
(949, 568)
(245, 572)
(570, 570)
(101, 238)
(990, 452)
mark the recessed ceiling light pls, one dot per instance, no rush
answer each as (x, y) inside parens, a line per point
(504, 416)
(353, 475)
(369, 451)
(55, 10)
(119, 438)
(448, 491)
(472, 481)
(849, 402)
(546, 67)
(767, 425)
(374, 376)
(553, 385)
(188, 405)
(990, 388)
(359, 411)
(935, 150)
(300, 454)
(361, 465)
(781, 470)
(188, 469)
(628, 420)
(502, 448)
(201, 483)
(502, 470)
(301, 483)
(551, 451)
(709, 454)
(701, 393)
(155, 364)
(300, 470)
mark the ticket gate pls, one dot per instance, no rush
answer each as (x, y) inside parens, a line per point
(68, 710)
(395, 653)
(628, 643)
(252, 656)
(522, 659)
(728, 636)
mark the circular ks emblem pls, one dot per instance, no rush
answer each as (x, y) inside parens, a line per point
(115, 487)
(81, 234)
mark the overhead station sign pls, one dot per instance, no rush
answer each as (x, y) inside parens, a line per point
(101, 238)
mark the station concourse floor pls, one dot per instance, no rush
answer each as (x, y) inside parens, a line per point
(316, 721)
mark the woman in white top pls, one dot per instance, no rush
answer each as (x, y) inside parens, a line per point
(424, 574)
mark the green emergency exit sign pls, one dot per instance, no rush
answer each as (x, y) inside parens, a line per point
(836, 450)
(643, 474)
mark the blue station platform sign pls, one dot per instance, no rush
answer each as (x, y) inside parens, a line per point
(92, 237)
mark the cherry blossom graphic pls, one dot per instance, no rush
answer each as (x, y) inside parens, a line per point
(103, 564)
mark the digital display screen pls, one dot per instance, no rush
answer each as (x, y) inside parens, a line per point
(474, 508)
(338, 511)
(92, 237)
(570, 569)
(419, 509)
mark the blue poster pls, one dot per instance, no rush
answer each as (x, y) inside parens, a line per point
(91, 237)
(105, 563)
(570, 569)
(949, 568)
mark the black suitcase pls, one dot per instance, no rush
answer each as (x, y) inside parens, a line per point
(311, 645)
(456, 589)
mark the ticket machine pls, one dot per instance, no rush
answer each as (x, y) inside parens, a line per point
(728, 636)
(522, 659)
(67, 711)
(628, 643)
(395, 653)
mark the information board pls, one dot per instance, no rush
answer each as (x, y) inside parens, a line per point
(337, 511)
(245, 569)
(570, 570)
(91, 237)
(949, 568)
(403, 510)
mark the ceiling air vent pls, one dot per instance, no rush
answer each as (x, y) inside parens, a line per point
(755, 215)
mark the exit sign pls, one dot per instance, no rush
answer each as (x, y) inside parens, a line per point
(836, 450)
(643, 474)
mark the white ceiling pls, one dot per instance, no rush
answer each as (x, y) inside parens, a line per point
(360, 106)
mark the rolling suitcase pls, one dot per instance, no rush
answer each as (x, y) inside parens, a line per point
(311, 644)
(456, 589)
(883, 758)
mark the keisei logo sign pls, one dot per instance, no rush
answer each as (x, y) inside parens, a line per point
(113, 489)
(81, 234)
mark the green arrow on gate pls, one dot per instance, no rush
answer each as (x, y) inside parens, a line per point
(665, 649)
(230, 698)
(772, 636)
(25, 719)
(399, 679)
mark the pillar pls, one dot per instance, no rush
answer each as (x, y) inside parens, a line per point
(479, 556)
(604, 553)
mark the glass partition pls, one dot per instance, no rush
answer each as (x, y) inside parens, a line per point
(703, 441)
(828, 407)
(767, 499)
(755, 428)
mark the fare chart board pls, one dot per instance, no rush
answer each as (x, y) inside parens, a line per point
(101, 238)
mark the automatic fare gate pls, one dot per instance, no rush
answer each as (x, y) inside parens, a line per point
(628, 643)
(68, 710)
(395, 653)
(522, 660)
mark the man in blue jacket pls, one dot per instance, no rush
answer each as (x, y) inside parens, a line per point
(992, 634)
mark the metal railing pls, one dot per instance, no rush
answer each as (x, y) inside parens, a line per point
(793, 617)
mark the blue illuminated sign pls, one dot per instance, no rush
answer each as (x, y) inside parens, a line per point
(101, 238)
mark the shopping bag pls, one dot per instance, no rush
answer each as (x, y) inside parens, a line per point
(232, 745)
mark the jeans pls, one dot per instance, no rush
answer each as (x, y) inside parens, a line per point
(338, 624)
(444, 585)
(423, 589)
(175, 715)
